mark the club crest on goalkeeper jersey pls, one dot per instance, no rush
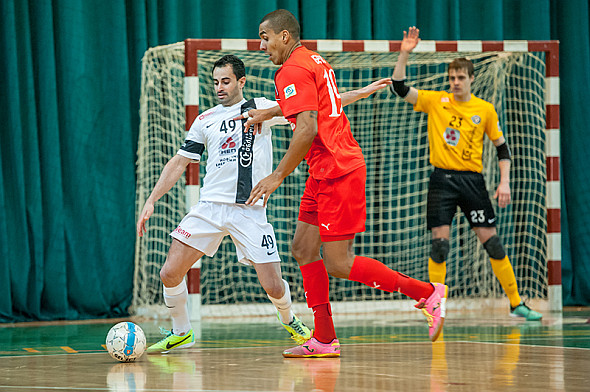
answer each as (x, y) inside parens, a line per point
(236, 161)
(456, 129)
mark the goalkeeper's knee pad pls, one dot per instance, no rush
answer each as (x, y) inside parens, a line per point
(439, 250)
(494, 248)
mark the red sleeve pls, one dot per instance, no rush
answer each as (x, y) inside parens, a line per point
(297, 90)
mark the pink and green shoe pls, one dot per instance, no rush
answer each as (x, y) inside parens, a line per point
(314, 349)
(434, 308)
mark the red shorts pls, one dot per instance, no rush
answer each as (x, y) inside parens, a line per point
(336, 205)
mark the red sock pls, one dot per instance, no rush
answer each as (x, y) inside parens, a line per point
(375, 274)
(316, 284)
(323, 323)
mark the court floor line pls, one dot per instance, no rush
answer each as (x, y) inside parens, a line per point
(33, 355)
(521, 345)
(194, 349)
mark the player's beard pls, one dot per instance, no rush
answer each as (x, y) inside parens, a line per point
(227, 99)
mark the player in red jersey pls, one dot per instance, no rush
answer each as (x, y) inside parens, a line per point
(333, 207)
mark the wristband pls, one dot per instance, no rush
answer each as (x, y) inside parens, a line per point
(503, 151)
(399, 88)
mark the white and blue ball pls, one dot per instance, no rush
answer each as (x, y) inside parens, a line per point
(126, 341)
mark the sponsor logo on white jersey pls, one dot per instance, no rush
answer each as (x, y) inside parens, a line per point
(247, 151)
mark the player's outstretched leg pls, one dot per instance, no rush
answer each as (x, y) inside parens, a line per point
(313, 348)
(172, 342)
(431, 297)
(434, 308)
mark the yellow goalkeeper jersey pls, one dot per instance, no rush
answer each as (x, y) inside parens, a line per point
(455, 129)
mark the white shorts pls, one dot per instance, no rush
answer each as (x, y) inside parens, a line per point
(206, 224)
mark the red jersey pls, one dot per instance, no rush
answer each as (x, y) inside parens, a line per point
(307, 82)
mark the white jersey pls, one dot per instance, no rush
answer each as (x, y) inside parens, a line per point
(236, 160)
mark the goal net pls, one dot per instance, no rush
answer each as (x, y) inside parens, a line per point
(394, 141)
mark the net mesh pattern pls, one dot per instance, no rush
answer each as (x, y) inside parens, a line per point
(394, 141)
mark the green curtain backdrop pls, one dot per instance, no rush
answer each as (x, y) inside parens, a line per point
(70, 78)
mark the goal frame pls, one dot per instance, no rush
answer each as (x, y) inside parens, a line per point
(552, 102)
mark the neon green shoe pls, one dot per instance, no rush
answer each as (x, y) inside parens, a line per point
(299, 332)
(171, 342)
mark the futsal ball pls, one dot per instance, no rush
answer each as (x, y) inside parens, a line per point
(126, 341)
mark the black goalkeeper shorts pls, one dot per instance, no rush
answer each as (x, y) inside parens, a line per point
(449, 189)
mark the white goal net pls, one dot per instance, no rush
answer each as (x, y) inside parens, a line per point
(394, 141)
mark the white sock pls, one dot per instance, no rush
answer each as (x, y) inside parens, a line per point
(283, 305)
(176, 299)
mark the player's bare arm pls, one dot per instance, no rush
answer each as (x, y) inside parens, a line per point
(503, 191)
(303, 135)
(409, 42)
(352, 96)
(169, 176)
(258, 116)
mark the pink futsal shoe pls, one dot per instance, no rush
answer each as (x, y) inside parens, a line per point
(314, 349)
(435, 309)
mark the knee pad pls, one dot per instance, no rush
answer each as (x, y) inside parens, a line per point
(439, 250)
(494, 248)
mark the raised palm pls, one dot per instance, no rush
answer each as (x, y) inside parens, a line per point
(411, 39)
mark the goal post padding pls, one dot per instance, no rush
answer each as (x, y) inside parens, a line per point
(393, 137)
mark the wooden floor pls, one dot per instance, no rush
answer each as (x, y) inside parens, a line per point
(385, 353)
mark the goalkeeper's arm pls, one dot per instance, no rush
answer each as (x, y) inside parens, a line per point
(398, 86)
(410, 41)
(503, 191)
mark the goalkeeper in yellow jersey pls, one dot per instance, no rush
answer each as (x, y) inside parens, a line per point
(457, 121)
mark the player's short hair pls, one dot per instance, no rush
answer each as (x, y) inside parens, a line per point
(280, 20)
(237, 65)
(462, 63)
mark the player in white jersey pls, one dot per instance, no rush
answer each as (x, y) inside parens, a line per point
(236, 160)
